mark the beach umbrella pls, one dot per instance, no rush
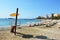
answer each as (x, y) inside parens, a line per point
(14, 15)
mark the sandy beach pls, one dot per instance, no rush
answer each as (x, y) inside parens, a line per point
(29, 19)
(32, 33)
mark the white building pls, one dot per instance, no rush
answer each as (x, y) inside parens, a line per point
(56, 15)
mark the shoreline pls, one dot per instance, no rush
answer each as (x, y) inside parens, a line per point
(25, 25)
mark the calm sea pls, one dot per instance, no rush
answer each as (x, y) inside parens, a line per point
(9, 22)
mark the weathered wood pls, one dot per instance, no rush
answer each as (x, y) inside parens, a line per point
(16, 20)
(13, 29)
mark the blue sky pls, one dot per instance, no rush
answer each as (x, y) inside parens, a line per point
(29, 8)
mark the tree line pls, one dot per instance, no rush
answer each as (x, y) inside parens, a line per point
(47, 17)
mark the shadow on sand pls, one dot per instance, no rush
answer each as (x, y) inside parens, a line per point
(43, 37)
(24, 35)
(31, 36)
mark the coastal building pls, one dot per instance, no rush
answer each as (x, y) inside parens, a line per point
(56, 15)
(53, 15)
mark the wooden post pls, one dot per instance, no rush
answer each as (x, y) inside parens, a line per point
(16, 21)
(13, 29)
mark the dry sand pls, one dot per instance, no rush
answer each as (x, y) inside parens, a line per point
(32, 33)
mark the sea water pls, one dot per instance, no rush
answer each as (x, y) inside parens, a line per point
(8, 22)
